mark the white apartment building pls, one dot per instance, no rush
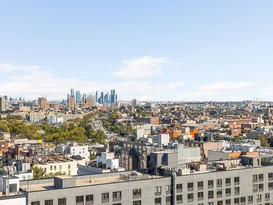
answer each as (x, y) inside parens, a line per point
(67, 166)
(81, 150)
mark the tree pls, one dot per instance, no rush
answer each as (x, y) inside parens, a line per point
(217, 137)
(116, 128)
(99, 137)
(106, 124)
(237, 139)
(93, 156)
(4, 126)
(77, 134)
(263, 140)
(38, 172)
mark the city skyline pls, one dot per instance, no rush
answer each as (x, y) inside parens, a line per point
(184, 51)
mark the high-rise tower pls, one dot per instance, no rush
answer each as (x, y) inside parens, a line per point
(72, 92)
(113, 97)
(78, 97)
(2, 104)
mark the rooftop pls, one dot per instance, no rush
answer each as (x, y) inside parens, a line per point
(90, 180)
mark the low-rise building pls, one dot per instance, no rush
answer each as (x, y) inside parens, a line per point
(61, 166)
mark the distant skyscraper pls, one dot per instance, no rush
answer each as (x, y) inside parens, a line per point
(42, 102)
(101, 98)
(84, 98)
(97, 96)
(90, 101)
(78, 97)
(134, 103)
(70, 101)
(106, 98)
(2, 104)
(72, 92)
(113, 97)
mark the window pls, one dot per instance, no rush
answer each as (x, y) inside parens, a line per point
(270, 185)
(270, 176)
(236, 180)
(243, 200)
(228, 191)
(79, 200)
(210, 194)
(168, 189)
(210, 203)
(179, 199)
(236, 201)
(250, 199)
(219, 193)
(179, 188)
(190, 197)
(89, 199)
(200, 185)
(49, 202)
(117, 196)
(137, 202)
(228, 202)
(136, 193)
(267, 196)
(236, 190)
(62, 201)
(158, 190)
(35, 203)
(210, 184)
(261, 187)
(157, 201)
(228, 181)
(219, 182)
(200, 195)
(12, 188)
(261, 177)
(259, 197)
(190, 186)
(254, 178)
(219, 202)
(104, 197)
(168, 200)
(254, 188)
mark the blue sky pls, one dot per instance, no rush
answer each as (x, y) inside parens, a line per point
(151, 50)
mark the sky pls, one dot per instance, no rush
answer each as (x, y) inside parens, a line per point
(179, 50)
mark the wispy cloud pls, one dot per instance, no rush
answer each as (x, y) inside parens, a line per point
(11, 67)
(33, 81)
(267, 93)
(214, 89)
(143, 67)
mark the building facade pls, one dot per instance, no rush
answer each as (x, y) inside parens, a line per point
(235, 187)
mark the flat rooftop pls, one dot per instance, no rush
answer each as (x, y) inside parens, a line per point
(90, 180)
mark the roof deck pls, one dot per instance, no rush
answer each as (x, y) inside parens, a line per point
(88, 180)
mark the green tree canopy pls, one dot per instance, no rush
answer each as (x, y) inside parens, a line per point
(263, 140)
